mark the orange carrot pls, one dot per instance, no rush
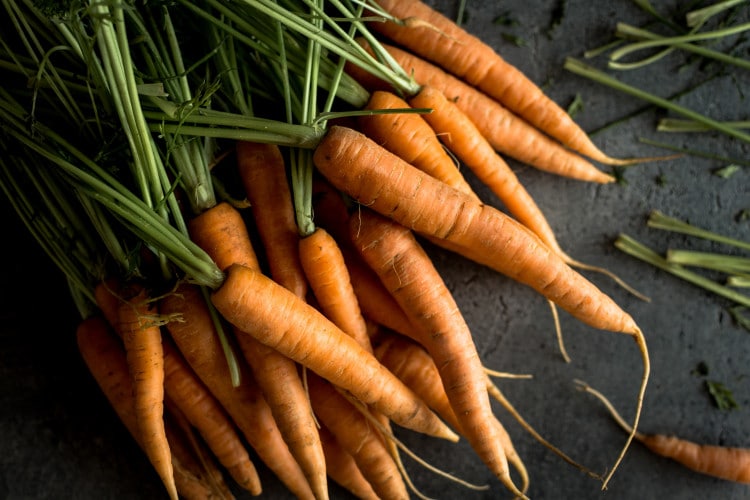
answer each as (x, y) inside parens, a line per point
(201, 409)
(407, 272)
(723, 462)
(328, 276)
(463, 139)
(104, 356)
(343, 469)
(222, 233)
(508, 133)
(263, 173)
(431, 35)
(409, 136)
(197, 340)
(137, 325)
(383, 182)
(199, 475)
(357, 436)
(276, 317)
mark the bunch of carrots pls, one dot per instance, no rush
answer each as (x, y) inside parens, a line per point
(253, 282)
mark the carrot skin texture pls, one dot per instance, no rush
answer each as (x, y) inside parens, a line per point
(731, 464)
(383, 182)
(263, 174)
(357, 436)
(409, 136)
(407, 272)
(343, 469)
(197, 340)
(508, 133)
(222, 233)
(141, 336)
(469, 58)
(463, 138)
(104, 355)
(328, 277)
(277, 318)
(202, 410)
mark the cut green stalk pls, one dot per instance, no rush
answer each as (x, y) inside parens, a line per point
(701, 16)
(601, 77)
(642, 252)
(680, 125)
(695, 152)
(728, 264)
(659, 220)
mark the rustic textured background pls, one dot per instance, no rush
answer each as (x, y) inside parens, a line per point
(59, 439)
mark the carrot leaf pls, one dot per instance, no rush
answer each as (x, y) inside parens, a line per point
(722, 396)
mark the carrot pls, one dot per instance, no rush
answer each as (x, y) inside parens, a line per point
(276, 317)
(196, 339)
(263, 174)
(383, 182)
(343, 469)
(222, 233)
(357, 436)
(328, 277)
(409, 136)
(104, 355)
(466, 142)
(201, 409)
(431, 35)
(194, 465)
(137, 325)
(508, 133)
(723, 462)
(407, 272)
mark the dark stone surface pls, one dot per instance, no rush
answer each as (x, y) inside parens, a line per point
(59, 439)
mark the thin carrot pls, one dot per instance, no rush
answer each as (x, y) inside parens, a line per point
(196, 339)
(508, 133)
(463, 138)
(724, 462)
(328, 276)
(222, 233)
(263, 174)
(138, 326)
(409, 136)
(431, 35)
(104, 356)
(383, 182)
(192, 460)
(359, 438)
(259, 306)
(201, 409)
(343, 469)
(407, 272)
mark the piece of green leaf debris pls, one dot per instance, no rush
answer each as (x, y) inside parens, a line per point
(722, 395)
(701, 369)
(575, 106)
(728, 171)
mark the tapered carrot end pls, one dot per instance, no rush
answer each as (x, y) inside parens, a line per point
(625, 162)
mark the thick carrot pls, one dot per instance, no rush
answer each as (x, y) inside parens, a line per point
(383, 182)
(137, 325)
(263, 173)
(328, 277)
(357, 436)
(507, 132)
(343, 469)
(431, 35)
(197, 340)
(407, 272)
(105, 358)
(410, 136)
(724, 462)
(276, 317)
(204, 413)
(222, 233)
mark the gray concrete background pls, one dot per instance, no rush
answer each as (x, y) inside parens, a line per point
(59, 440)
